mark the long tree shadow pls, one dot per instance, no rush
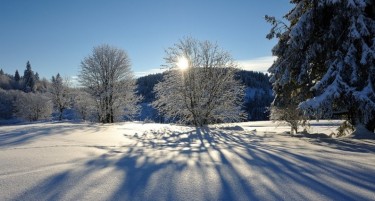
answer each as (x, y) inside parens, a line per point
(216, 164)
(346, 144)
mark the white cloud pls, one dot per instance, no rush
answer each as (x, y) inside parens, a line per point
(74, 78)
(260, 64)
(73, 81)
(150, 71)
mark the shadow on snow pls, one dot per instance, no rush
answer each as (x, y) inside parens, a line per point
(213, 164)
(28, 133)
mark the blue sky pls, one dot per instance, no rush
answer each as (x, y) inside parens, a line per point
(56, 35)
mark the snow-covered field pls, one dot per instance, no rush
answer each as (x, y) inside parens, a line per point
(135, 161)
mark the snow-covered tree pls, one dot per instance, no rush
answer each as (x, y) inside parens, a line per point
(32, 106)
(326, 59)
(83, 104)
(6, 104)
(108, 78)
(5, 82)
(290, 114)
(199, 87)
(59, 95)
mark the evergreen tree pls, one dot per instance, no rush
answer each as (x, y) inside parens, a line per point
(326, 59)
(29, 79)
(36, 76)
(1, 72)
(17, 76)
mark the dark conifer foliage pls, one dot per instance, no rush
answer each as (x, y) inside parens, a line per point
(145, 86)
(36, 76)
(258, 94)
(29, 79)
(17, 76)
(326, 60)
(254, 79)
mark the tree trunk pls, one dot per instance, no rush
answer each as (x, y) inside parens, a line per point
(108, 118)
(111, 108)
(60, 114)
(112, 116)
(107, 110)
(371, 125)
(293, 128)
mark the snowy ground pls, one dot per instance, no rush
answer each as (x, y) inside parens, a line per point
(135, 161)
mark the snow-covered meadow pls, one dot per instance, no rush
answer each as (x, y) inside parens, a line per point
(136, 161)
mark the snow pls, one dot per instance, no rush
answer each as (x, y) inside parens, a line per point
(136, 161)
(362, 133)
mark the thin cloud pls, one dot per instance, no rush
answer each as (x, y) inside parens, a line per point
(73, 81)
(260, 64)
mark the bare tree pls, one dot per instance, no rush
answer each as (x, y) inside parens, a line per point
(59, 94)
(289, 114)
(200, 87)
(107, 77)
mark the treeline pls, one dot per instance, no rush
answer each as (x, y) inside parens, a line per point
(27, 97)
(28, 82)
(16, 100)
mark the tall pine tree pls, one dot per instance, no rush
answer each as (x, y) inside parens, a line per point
(29, 79)
(17, 76)
(326, 59)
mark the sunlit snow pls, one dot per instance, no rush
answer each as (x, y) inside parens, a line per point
(135, 161)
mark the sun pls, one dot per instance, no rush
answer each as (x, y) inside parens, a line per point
(182, 63)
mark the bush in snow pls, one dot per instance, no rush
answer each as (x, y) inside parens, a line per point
(59, 95)
(32, 106)
(83, 104)
(199, 87)
(6, 104)
(291, 115)
(326, 59)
